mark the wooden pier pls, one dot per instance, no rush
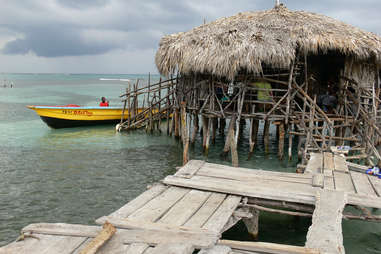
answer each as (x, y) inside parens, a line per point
(188, 212)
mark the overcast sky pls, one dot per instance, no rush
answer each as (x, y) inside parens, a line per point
(122, 36)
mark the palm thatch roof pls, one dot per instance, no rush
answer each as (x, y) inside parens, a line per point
(244, 41)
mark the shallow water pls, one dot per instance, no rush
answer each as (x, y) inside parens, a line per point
(77, 175)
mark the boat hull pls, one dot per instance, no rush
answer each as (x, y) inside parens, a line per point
(65, 117)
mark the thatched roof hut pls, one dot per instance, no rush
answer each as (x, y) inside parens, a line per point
(247, 41)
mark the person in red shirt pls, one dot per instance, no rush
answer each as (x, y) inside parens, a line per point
(103, 103)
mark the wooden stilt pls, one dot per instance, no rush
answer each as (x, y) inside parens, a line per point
(185, 133)
(205, 122)
(290, 143)
(210, 123)
(195, 128)
(266, 133)
(281, 141)
(214, 129)
(254, 124)
(177, 124)
(233, 148)
(230, 132)
(222, 126)
(252, 224)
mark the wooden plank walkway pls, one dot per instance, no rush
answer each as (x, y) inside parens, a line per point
(190, 210)
(325, 233)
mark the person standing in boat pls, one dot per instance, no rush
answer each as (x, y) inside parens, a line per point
(104, 102)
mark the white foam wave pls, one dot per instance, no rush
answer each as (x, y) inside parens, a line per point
(115, 79)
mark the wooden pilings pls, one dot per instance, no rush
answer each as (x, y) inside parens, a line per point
(293, 107)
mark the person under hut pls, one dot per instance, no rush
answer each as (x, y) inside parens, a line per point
(264, 93)
(104, 102)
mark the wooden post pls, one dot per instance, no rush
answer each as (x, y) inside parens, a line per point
(205, 124)
(233, 148)
(254, 124)
(168, 108)
(171, 130)
(222, 126)
(214, 129)
(281, 141)
(230, 132)
(252, 224)
(129, 104)
(290, 142)
(210, 123)
(266, 132)
(124, 109)
(159, 110)
(177, 123)
(185, 133)
(195, 128)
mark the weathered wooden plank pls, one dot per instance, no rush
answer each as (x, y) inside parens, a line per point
(253, 189)
(315, 164)
(137, 248)
(362, 184)
(343, 182)
(185, 208)
(356, 167)
(145, 225)
(249, 175)
(173, 249)
(44, 244)
(356, 199)
(325, 233)
(221, 216)
(63, 229)
(243, 252)
(259, 172)
(154, 209)
(218, 249)
(329, 183)
(273, 248)
(155, 237)
(328, 164)
(190, 169)
(340, 163)
(328, 161)
(376, 183)
(204, 213)
(318, 180)
(138, 202)
(115, 246)
(107, 232)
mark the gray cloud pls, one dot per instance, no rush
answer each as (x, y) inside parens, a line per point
(64, 28)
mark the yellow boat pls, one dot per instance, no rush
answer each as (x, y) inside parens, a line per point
(74, 115)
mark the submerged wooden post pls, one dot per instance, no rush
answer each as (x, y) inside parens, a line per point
(266, 133)
(252, 224)
(222, 126)
(205, 123)
(195, 128)
(254, 124)
(281, 141)
(230, 132)
(233, 148)
(185, 133)
(129, 105)
(167, 110)
(207, 141)
(159, 109)
(290, 143)
(214, 129)
(177, 123)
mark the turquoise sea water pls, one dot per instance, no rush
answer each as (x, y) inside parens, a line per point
(79, 174)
